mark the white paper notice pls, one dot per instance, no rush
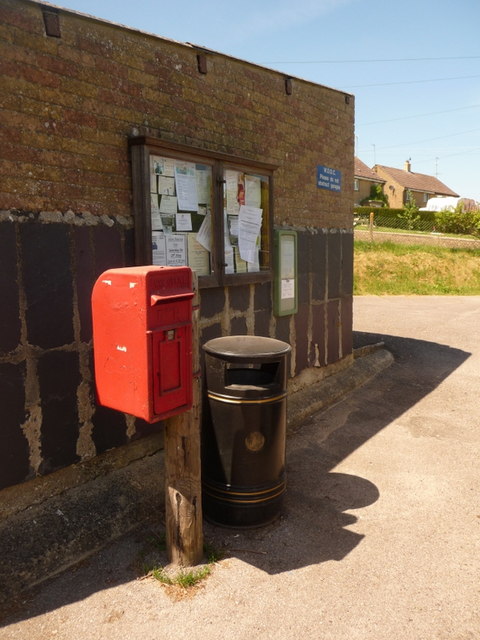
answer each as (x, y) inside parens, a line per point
(168, 204)
(229, 256)
(161, 166)
(186, 183)
(249, 225)
(231, 191)
(288, 258)
(167, 222)
(157, 224)
(176, 246)
(204, 235)
(287, 289)
(166, 185)
(233, 226)
(240, 265)
(253, 191)
(156, 220)
(198, 256)
(159, 256)
(183, 221)
(154, 203)
(204, 181)
(153, 183)
(254, 265)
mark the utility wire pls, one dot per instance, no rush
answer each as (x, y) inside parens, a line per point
(368, 60)
(384, 84)
(449, 155)
(418, 115)
(409, 144)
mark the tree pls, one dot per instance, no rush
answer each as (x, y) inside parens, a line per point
(410, 211)
(376, 193)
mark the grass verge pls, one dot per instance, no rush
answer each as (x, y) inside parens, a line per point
(393, 269)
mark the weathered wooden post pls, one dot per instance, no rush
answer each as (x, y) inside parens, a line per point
(372, 215)
(183, 499)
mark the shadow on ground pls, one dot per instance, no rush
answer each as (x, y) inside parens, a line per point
(312, 528)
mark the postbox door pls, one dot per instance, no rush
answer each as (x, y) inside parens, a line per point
(172, 369)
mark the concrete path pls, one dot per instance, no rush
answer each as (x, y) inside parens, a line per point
(380, 536)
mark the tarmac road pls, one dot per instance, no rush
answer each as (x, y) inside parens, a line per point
(381, 530)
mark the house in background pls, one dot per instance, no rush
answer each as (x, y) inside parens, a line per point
(398, 182)
(364, 179)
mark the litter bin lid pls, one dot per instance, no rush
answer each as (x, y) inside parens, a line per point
(247, 347)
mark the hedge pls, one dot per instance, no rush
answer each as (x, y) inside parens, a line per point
(441, 221)
(396, 218)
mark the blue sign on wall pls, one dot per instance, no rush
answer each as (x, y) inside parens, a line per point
(330, 179)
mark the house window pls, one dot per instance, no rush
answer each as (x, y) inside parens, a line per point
(356, 186)
(425, 197)
(209, 211)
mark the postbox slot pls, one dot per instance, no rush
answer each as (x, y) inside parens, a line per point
(156, 298)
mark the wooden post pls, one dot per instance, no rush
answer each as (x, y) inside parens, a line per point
(183, 498)
(371, 225)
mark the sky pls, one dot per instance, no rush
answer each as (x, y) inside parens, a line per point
(413, 66)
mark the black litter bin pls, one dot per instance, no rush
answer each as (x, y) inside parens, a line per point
(244, 430)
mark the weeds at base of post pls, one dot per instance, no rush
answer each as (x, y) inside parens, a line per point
(184, 578)
(178, 580)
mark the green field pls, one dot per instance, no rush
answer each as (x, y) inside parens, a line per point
(394, 269)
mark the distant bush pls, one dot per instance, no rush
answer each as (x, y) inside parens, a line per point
(458, 221)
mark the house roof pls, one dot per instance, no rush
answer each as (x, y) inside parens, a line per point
(362, 171)
(417, 181)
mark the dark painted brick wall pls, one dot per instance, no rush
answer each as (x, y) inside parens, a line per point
(59, 377)
(85, 277)
(347, 264)
(318, 268)
(55, 264)
(334, 257)
(9, 307)
(109, 429)
(239, 298)
(47, 281)
(302, 338)
(14, 450)
(318, 335)
(333, 338)
(347, 322)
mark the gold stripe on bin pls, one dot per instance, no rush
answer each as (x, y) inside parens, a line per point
(267, 493)
(230, 400)
(237, 501)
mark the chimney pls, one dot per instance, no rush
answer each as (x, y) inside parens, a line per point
(407, 166)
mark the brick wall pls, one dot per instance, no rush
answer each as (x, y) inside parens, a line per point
(69, 105)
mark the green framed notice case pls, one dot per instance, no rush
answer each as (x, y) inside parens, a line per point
(285, 299)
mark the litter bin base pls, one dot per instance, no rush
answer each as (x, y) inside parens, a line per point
(240, 507)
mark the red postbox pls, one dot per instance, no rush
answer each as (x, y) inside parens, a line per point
(142, 340)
